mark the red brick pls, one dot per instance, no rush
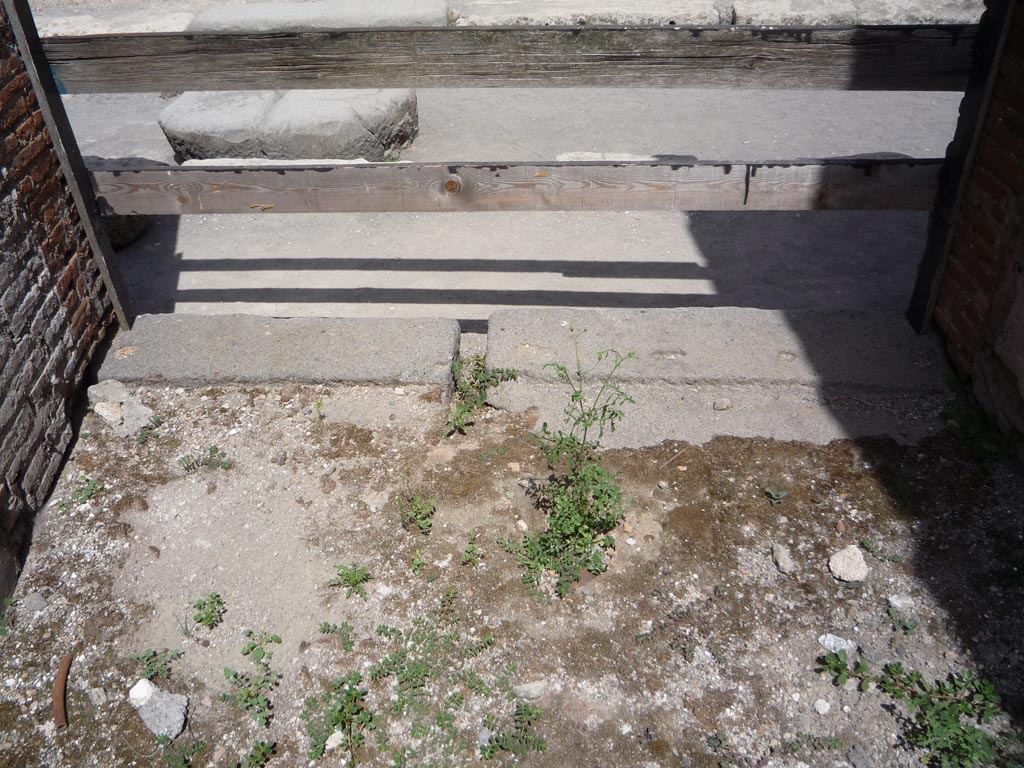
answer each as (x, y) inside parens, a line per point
(1000, 162)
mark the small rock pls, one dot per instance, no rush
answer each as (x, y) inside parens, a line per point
(335, 740)
(484, 737)
(858, 757)
(141, 693)
(513, 466)
(532, 690)
(834, 643)
(522, 526)
(219, 754)
(822, 707)
(663, 484)
(97, 696)
(108, 391)
(840, 526)
(109, 412)
(164, 713)
(901, 602)
(31, 605)
(848, 564)
(783, 560)
(627, 527)
(279, 458)
(532, 485)
(722, 404)
(631, 542)
(134, 416)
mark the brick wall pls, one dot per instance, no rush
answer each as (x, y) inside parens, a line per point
(980, 304)
(53, 308)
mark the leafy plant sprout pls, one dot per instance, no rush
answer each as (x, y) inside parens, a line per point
(209, 610)
(353, 578)
(156, 663)
(418, 512)
(252, 691)
(584, 503)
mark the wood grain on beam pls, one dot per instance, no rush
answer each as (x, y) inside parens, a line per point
(858, 58)
(434, 187)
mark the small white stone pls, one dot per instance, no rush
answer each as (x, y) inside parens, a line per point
(834, 643)
(722, 404)
(848, 564)
(112, 413)
(900, 602)
(522, 526)
(822, 707)
(335, 740)
(141, 693)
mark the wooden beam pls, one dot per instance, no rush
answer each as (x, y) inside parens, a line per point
(52, 108)
(861, 58)
(586, 186)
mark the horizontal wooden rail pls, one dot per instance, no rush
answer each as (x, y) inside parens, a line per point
(855, 58)
(585, 186)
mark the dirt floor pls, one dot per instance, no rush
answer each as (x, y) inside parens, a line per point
(693, 649)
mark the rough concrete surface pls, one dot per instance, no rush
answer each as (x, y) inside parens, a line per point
(190, 350)
(701, 344)
(319, 124)
(702, 373)
(326, 14)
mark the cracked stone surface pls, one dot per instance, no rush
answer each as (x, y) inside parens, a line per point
(304, 124)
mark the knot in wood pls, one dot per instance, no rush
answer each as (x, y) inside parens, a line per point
(453, 185)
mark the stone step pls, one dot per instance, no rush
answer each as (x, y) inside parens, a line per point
(199, 350)
(704, 372)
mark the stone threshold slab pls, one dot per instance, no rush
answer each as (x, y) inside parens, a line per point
(199, 350)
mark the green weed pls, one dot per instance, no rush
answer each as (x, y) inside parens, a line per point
(419, 562)
(472, 555)
(181, 756)
(417, 512)
(252, 691)
(209, 610)
(432, 670)
(343, 631)
(472, 383)
(341, 708)
(149, 431)
(879, 552)
(353, 578)
(942, 717)
(156, 663)
(259, 755)
(85, 489)
(520, 739)
(584, 503)
(214, 458)
(901, 623)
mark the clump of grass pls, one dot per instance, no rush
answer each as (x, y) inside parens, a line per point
(353, 578)
(342, 708)
(472, 383)
(85, 489)
(209, 610)
(157, 663)
(214, 458)
(472, 555)
(942, 717)
(418, 512)
(252, 691)
(343, 631)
